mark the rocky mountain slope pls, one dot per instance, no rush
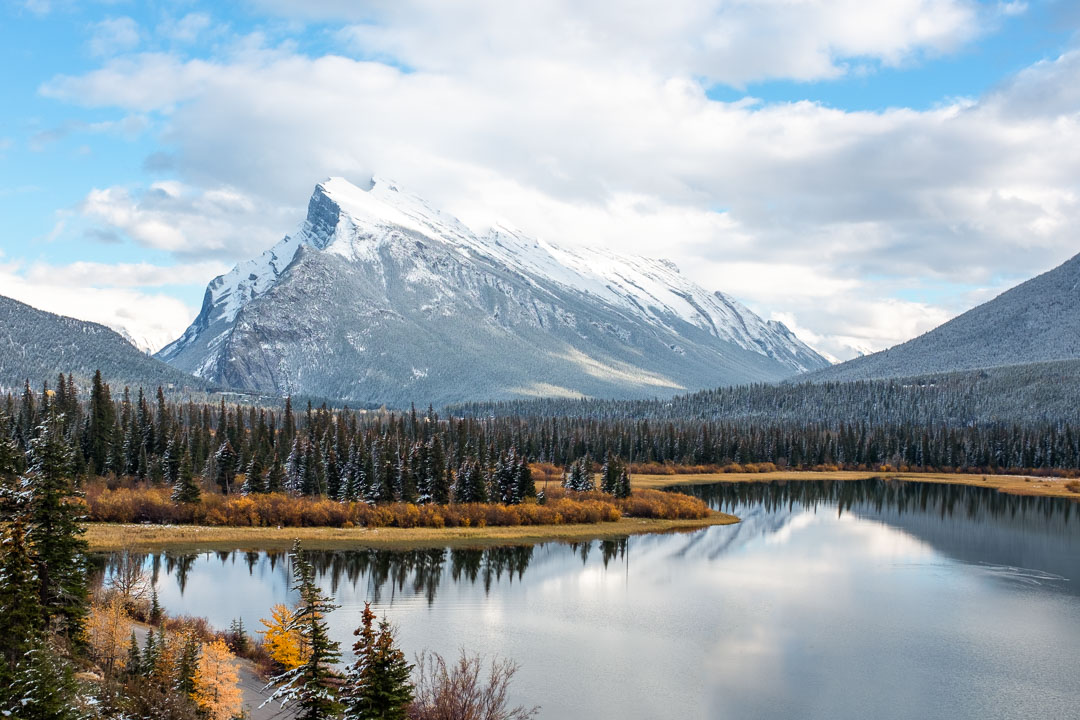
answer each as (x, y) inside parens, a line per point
(1034, 322)
(36, 345)
(380, 298)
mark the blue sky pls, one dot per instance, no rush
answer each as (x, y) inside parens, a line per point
(860, 173)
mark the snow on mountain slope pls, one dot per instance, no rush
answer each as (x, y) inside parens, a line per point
(419, 264)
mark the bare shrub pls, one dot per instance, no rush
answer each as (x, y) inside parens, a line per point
(464, 691)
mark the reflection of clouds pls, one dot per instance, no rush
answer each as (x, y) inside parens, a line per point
(793, 613)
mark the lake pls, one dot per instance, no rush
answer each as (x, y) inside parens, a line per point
(830, 600)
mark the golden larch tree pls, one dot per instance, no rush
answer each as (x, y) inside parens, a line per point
(284, 642)
(217, 692)
(109, 631)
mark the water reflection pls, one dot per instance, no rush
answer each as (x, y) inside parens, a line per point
(831, 600)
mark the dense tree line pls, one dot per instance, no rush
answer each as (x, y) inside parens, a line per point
(1024, 394)
(421, 457)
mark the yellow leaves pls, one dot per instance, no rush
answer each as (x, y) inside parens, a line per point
(217, 692)
(285, 645)
(109, 631)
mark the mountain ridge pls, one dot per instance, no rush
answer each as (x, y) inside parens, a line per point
(37, 345)
(383, 263)
(1033, 322)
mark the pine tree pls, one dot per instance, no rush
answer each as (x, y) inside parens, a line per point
(378, 686)
(526, 487)
(43, 688)
(187, 667)
(238, 638)
(186, 489)
(440, 485)
(275, 479)
(307, 684)
(133, 662)
(156, 613)
(253, 477)
(225, 462)
(20, 609)
(54, 531)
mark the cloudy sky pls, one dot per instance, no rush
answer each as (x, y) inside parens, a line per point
(860, 170)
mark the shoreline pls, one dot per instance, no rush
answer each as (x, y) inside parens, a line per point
(1008, 484)
(105, 537)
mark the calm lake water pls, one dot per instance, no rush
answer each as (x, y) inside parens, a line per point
(829, 600)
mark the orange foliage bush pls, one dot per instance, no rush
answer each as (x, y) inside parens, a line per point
(153, 505)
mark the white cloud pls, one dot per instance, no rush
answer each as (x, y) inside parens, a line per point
(591, 124)
(171, 216)
(733, 42)
(122, 275)
(114, 35)
(187, 29)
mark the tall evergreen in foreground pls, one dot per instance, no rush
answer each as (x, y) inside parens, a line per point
(20, 610)
(379, 685)
(54, 532)
(307, 685)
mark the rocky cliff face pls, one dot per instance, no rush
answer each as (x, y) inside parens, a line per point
(380, 298)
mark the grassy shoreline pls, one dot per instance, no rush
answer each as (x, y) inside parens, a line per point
(115, 536)
(1012, 484)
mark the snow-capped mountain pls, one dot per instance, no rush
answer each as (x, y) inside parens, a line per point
(379, 297)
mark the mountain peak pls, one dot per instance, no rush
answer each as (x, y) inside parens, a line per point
(413, 305)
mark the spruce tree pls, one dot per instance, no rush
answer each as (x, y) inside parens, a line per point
(378, 685)
(100, 425)
(307, 685)
(54, 531)
(133, 663)
(43, 688)
(186, 489)
(21, 620)
(526, 487)
(275, 479)
(253, 477)
(225, 463)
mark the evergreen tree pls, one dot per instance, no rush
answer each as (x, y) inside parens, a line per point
(43, 688)
(526, 487)
(156, 613)
(54, 531)
(439, 480)
(253, 477)
(20, 609)
(100, 425)
(225, 463)
(187, 665)
(133, 662)
(275, 479)
(378, 685)
(307, 684)
(186, 489)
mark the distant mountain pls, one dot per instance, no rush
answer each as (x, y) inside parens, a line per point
(1037, 321)
(36, 345)
(380, 298)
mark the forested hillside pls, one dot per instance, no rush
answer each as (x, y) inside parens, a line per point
(36, 345)
(1021, 394)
